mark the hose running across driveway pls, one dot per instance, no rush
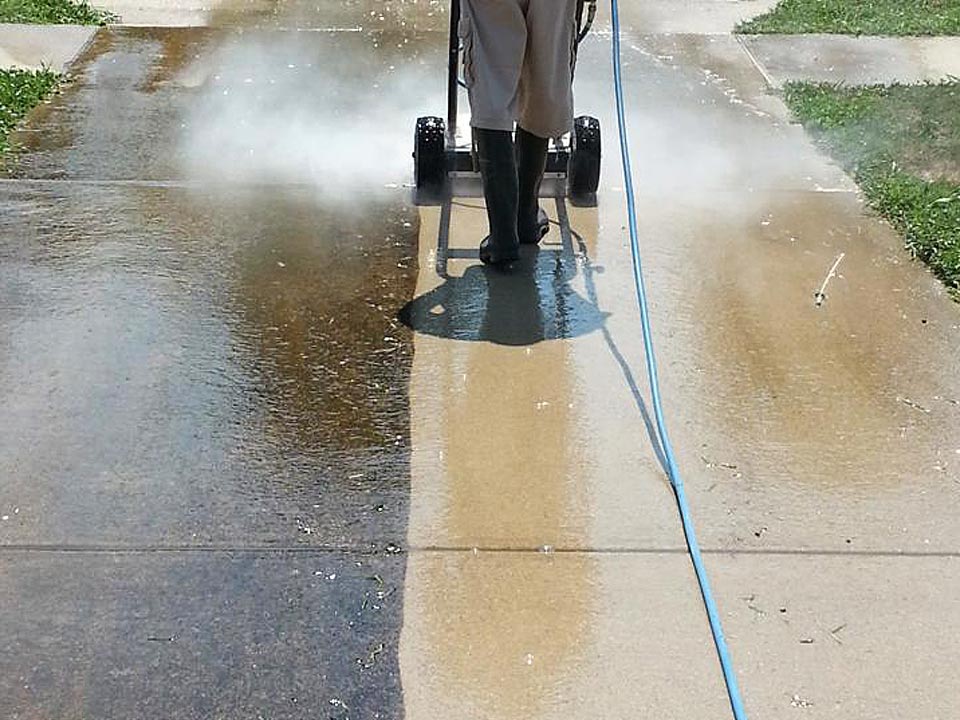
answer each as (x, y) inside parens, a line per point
(733, 690)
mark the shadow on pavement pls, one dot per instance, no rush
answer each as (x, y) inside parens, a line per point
(532, 303)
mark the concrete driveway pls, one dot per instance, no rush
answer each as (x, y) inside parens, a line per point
(264, 457)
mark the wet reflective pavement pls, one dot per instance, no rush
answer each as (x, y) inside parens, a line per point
(278, 448)
(195, 367)
(178, 635)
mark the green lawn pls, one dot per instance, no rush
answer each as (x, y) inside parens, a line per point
(20, 91)
(902, 144)
(860, 17)
(52, 12)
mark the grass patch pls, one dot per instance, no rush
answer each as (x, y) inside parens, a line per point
(20, 92)
(859, 17)
(53, 12)
(902, 144)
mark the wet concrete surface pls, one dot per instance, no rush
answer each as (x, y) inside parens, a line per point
(217, 391)
(152, 104)
(205, 372)
(240, 635)
(206, 455)
(508, 635)
(194, 368)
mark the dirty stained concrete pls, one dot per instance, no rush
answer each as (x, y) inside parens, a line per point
(270, 458)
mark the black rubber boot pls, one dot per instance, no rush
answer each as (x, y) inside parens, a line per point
(498, 169)
(532, 222)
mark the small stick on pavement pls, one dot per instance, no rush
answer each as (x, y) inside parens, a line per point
(821, 295)
(916, 406)
(835, 633)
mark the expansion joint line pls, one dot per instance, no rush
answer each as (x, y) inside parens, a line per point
(729, 675)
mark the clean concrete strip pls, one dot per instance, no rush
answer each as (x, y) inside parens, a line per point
(266, 13)
(517, 440)
(704, 17)
(32, 47)
(161, 13)
(842, 638)
(801, 427)
(541, 636)
(854, 60)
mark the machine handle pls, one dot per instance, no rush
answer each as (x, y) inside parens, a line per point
(583, 29)
(453, 83)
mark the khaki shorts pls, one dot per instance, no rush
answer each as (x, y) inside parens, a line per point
(518, 63)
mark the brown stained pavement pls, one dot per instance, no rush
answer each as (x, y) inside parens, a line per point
(233, 403)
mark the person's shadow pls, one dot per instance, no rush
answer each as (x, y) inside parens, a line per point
(532, 303)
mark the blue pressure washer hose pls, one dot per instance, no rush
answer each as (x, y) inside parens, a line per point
(733, 690)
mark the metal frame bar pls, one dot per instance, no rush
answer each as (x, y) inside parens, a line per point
(453, 80)
(445, 253)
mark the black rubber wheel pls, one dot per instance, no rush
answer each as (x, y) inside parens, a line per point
(429, 159)
(583, 173)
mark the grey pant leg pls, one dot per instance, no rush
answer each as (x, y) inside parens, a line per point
(519, 58)
(545, 99)
(494, 34)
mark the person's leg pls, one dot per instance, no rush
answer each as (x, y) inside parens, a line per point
(545, 103)
(546, 81)
(498, 170)
(494, 35)
(532, 222)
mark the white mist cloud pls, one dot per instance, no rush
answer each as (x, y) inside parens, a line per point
(332, 110)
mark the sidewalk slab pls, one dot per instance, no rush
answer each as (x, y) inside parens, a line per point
(163, 13)
(218, 103)
(781, 411)
(565, 636)
(32, 47)
(560, 481)
(181, 636)
(156, 383)
(786, 412)
(689, 16)
(388, 15)
(855, 60)
(842, 638)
